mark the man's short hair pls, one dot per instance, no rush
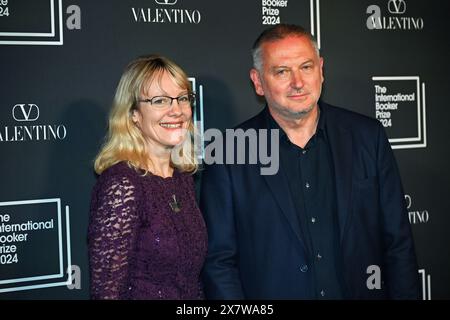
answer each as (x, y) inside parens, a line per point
(278, 32)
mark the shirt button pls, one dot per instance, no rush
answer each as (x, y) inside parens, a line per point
(307, 185)
(313, 220)
(319, 256)
(303, 268)
(304, 152)
(322, 293)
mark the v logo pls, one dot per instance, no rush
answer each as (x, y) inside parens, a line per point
(397, 6)
(25, 112)
(166, 2)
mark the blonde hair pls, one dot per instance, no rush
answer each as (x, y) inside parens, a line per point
(124, 141)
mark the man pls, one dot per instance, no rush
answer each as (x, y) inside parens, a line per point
(332, 222)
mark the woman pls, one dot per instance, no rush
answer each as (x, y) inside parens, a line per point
(147, 238)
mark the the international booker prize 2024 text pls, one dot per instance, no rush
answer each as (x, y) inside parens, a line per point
(13, 235)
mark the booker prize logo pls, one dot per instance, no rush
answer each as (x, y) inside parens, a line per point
(28, 128)
(394, 18)
(272, 10)
(400, 106)
(35, 249)
(37, 23)
(166, 12)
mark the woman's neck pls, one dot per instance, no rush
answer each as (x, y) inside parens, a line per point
(159, 164)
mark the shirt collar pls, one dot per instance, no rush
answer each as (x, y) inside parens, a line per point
(272, 124)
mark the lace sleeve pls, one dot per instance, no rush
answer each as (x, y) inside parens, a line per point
(112, 233)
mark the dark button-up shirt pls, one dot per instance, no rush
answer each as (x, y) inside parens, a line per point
(310, 176)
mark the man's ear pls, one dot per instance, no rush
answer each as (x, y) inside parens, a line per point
(256, 79)
(321, 68)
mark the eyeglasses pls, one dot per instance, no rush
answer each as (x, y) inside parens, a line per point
(163, 102)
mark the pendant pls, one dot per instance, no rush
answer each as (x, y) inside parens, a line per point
(175, 205)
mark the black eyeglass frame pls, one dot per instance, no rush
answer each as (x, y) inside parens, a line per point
(191, 98)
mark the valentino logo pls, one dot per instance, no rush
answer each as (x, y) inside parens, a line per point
(397, 6)
(416, 216)
(408, 201)
(166, 12)
(25, 112)
(27, 129)
(167, 2)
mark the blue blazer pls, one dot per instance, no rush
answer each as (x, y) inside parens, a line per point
(256, 247)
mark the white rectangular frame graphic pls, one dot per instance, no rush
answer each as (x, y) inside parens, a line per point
(199, 121)
(315, 22)
(426, 285)
(38, 34)
(421, 122)
(60, 251)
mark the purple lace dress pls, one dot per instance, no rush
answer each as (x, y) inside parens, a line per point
(140, 247)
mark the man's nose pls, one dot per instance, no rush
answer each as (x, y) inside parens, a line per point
(296, 79)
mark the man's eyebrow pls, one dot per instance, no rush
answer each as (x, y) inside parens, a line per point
(279, 67)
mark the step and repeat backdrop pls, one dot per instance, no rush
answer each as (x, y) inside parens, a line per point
(60, 62)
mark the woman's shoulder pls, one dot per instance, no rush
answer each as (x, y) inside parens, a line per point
(120, 169)
(119, 174)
